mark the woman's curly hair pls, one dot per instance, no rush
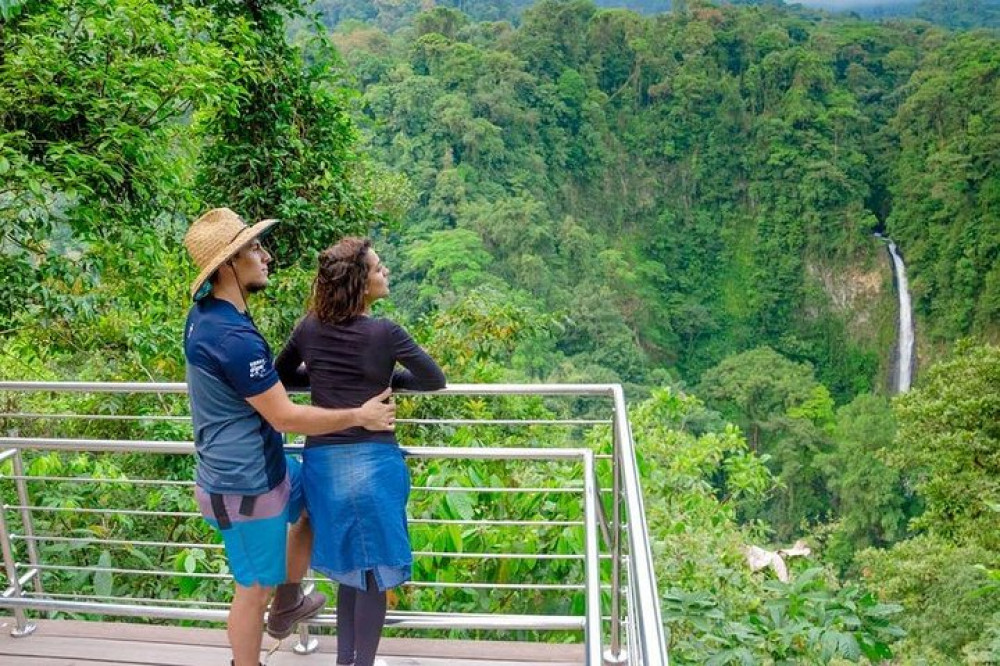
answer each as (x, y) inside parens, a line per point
(338, 292)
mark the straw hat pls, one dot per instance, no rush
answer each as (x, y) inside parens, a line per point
(216, 236)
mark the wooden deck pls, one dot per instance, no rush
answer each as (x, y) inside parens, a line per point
(80, 643)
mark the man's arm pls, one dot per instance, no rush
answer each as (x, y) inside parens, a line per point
(275, 406)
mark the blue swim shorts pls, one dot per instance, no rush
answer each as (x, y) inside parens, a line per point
(256, 544)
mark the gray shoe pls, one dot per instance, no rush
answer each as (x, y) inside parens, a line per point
(289, 607)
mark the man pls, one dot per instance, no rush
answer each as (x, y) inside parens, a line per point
(246, 486)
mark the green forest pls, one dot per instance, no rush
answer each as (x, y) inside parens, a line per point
(683, 202)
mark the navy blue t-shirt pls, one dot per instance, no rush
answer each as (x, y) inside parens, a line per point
(228, 361)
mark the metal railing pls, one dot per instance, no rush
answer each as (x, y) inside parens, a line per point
(621, 621)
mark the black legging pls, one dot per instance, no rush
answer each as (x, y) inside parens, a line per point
(360, 617)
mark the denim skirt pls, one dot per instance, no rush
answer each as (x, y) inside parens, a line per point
(356, 496)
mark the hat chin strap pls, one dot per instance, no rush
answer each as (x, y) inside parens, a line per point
(239, 285)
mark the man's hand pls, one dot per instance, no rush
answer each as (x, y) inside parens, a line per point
(379, 413)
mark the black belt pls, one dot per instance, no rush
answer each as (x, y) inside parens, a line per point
(222, 516)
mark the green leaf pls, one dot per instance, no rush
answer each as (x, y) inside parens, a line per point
(103, 581)
(848, 647)
(461, 505)
(9, 9)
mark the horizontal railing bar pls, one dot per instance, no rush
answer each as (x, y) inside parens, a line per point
(127, 572)
(495, 489)
(97, 541)
(195, 514)
(40, 416)
(395, 619)
(499, 523)
(550, 587)
(109, 512)
(99, 445)
(95, 387)
(208, 604)
(187, 602)
(219, 576)
(506, 422)
(498, 556)
(120, 481)
(168, 447)
(150, 600)
(479, 621)
(95, 479)
(575, 455)
(94, 417)
(216, 546)
(604, 390)
(212, 604)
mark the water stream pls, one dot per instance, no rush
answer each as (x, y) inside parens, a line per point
(905, 342)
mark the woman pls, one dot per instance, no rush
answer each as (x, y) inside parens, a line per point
(356, 482)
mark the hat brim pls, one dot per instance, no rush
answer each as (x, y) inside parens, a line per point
(245, 236)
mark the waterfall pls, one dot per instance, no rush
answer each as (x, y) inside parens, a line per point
(904, 351)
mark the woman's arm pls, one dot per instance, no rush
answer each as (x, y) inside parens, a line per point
(291, 369)
(421, 373)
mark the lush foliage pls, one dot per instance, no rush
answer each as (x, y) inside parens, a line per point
(287, 134)
(564, 193)
(673, 209)
(946, 189)
(718, 611)
(946, 449)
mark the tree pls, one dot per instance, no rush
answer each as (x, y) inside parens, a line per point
(947, 449)
(871, 504)
(92, 154)
(719, 612)
(788, 416)
(753, 387)
(945, 187)
(949, 444)
(283, 145)
(447, 262)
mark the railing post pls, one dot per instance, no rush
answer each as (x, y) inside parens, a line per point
(652, 642)
(307, 644)
(22, 627)
(615, 654)
(27, 520)
(593, 633)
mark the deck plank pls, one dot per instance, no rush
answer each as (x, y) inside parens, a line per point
(81, 643)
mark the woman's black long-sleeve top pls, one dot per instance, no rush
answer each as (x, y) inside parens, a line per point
(349, 363)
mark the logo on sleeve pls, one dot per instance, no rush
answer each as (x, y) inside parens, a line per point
(257, 368)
